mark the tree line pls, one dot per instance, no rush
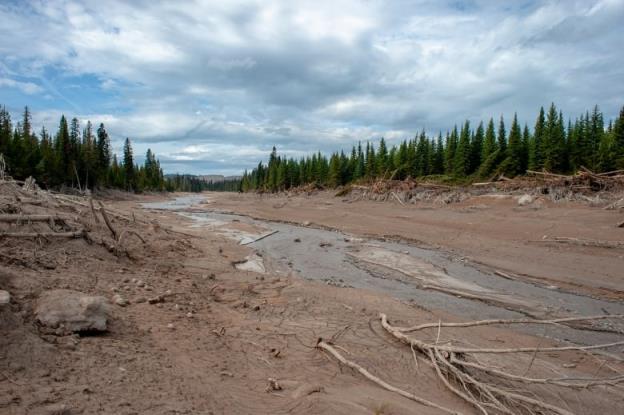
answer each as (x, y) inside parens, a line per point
(74, 156)
(464, 153)
(192, 183)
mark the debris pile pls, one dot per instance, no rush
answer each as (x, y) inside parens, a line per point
(585, 186)
(31, 218)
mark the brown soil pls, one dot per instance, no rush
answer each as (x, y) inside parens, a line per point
(211, 347)
(489, 229)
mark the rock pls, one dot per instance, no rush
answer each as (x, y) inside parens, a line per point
(170, 326)
(120, 301)
(157, 299)
(525, 200)
(5, 298)
(140, 283)
(139, 300)
(72, 311)
(306, 223)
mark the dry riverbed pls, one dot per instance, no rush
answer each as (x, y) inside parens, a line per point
(217, 320)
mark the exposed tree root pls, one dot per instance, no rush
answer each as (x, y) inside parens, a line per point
(460, 372)
(331, 350)
(502, 321)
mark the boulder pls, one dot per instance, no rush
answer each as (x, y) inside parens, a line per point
(72, 311)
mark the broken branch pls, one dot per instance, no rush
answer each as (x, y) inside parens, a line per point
(107, 221)
(328, 348)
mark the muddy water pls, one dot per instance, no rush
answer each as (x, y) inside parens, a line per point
(427, 278)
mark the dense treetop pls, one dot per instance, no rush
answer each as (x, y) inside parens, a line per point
(75, 157)
(465, 153)
(81, 157)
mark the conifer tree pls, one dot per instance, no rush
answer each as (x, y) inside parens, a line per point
(103, 156)
(438, 161)
(381, 160)
(596, 133)
(421, 167)
(489, 144)
(63, 149)
(128, 166)
(526, 144)
(461, 163)
(513, 162)
(535, 145)
(502, 136)
(476, 148)
(449, 151)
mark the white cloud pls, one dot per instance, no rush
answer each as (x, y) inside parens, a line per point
(310, 75)
(26, 87)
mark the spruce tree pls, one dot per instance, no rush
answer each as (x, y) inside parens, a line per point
(449, 151)
(596, 133)
(103, 156)
(438, 161)
(128, 166)
(535, 144)
(489, 144)
(502, 136)
(64, 152)
(476, 148)
(381, 159)
(513, 162)
(526, 144)
(461, 163)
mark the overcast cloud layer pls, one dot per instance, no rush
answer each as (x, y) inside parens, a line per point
(211, 86)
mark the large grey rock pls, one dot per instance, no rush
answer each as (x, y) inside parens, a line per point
(72, 311)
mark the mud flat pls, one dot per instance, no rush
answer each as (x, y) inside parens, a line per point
(490, 229)
(429, 278)
(214, 313)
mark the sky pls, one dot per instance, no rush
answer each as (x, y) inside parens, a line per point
(211, 86)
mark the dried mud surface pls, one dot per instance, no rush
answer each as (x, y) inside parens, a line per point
(492, 229)
(221, 332)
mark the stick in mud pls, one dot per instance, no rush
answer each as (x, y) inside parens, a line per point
(108, 224)
(261, 237)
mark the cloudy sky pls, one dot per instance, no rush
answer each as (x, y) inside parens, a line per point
(212, 85)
